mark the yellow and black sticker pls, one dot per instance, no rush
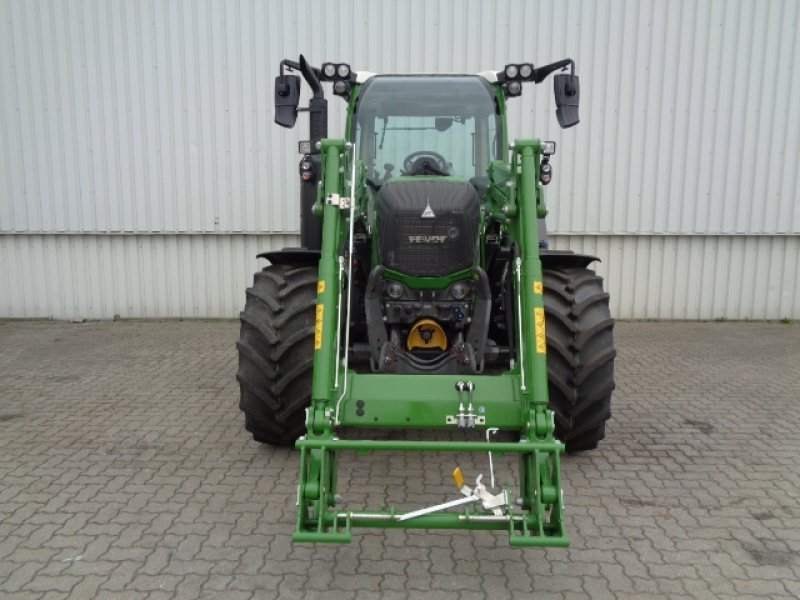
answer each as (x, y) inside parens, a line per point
(318, 327)
(320, 286)
(538, 288)
(541, 339)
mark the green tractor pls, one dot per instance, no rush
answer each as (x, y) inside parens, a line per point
(424, 296)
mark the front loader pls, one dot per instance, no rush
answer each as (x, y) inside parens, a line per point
(424, 297)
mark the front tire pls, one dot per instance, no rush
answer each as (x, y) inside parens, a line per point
(276, 353)
(580, 355)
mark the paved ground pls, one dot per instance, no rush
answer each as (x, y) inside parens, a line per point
(125, 473)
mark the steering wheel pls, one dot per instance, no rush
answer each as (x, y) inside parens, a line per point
(425, 162)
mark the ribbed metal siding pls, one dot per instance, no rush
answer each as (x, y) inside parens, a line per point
(133, 276)
(99, 276)
(156, 117)
(696, 277)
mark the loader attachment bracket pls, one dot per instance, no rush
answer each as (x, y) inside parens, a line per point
(537, 521)
(383, 400)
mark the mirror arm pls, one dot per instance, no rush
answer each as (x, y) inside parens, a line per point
(310, 74)
(289, 64)
(540, 74)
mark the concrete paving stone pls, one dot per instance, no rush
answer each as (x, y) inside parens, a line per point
(125, 473)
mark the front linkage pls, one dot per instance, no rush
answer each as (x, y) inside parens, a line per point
(516, 400)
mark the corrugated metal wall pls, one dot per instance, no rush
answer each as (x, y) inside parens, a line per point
(128, 128)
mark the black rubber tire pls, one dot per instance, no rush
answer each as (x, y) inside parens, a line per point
(276, 353)
(580, 355)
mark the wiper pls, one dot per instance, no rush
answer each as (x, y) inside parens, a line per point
(383, 135)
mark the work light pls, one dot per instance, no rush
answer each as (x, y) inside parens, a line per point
(340, 88)
(343, 71)
(329, 69)
(512, 71)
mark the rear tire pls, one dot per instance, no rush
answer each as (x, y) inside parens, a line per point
(276, 353)
(580, 355)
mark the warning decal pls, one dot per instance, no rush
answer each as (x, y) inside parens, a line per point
(537, 287)
(320, 286)
(541, 340)
(318, 327)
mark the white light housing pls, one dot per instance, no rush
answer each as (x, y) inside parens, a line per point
(548, 148)
(304, 147)
(526, 70)
(343, 71)
(329, 69)
(512, 71)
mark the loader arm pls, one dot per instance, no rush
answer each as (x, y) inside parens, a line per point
(515, 400)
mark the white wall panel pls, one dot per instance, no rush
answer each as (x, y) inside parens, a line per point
(133, 276)
(157, 116)
(147, 276)
(151, 117)
(696, 277)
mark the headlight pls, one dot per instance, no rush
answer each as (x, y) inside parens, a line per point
(545, 173)
(343, 71)
(512, 71)
(329, 69)
(340, 87)
(395, 290)
(526, 70)
(459, 291)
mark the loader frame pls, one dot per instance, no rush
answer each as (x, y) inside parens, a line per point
(516, 400)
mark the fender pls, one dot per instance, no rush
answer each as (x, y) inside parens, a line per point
(298, 257)
(552, 259)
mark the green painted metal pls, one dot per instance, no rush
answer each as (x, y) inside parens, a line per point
(515, 400)
(522, 447)
(425, 402)
(428, 283)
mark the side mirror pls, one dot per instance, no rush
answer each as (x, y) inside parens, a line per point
(567, 91)
(287, 97)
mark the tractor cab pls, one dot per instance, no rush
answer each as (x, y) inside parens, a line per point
(427, 126)
(425, 142)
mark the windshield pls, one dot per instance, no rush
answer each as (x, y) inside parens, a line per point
(450, 122)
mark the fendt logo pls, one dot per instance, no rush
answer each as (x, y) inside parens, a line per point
(427, 239)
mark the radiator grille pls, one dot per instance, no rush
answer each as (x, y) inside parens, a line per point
(428, 247)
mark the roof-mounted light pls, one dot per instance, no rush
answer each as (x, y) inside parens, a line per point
(341, 88)
(513, 88)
